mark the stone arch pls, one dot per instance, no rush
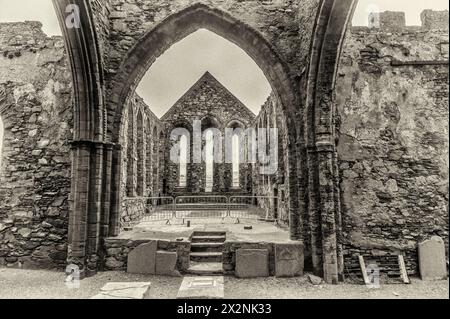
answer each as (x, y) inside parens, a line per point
(209, 121)
(321, 138)
(235, 123)
(176, 27)
(236, 166)
(171, 169)
(311, 139)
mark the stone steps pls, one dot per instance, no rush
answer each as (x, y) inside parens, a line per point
(208, 239)
(206, 252)
(205, 269)
(206, 256)
(205, 233)
(207, 247)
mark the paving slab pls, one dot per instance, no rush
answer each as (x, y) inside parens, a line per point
(125, 290)
(202, 288)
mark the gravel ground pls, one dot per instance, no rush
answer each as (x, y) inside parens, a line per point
(37, 284)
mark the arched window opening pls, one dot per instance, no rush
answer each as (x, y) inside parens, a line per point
(236, 161)
(183, 161)
(155, 155)
(161, 165)
(207, 51)
(148, 157)
(209, 160)
(130, 153)
(140, 173)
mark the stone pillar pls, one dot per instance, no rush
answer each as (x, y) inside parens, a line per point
(295, 220)
(338, 217)
(106, 195)
(79, 204)
(302, 192)
(95, 207)
(313, 212)
(327, 211)
(88, 202)
(116, 199)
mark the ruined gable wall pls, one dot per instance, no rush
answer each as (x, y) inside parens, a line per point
(392, 97)
(36, 109)
(208, 99)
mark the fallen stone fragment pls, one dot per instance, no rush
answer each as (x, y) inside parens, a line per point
(315, 280)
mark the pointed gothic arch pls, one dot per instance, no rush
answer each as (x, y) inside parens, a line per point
(306, 94)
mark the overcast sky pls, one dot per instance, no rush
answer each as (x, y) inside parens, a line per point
(181, 66)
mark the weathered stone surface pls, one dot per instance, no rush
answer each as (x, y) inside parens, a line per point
(209, 101)
(201, 288)
(289, 260)
(125, 290)
(166, 263)
(252, 263)
(393, 144)
(36, 111)
(391, 123)
(432, 262)
(142, 259)
(314, 280)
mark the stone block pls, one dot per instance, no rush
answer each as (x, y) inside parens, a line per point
(201, 288)
(252, 263)
(166, 263)
(432, 262)
(125, 290)
(142, 259)
(289, 260)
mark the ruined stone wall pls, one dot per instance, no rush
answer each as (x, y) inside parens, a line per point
(392, 98)
(274, 186)
(212, 104)
(140, 150)
(36, 109)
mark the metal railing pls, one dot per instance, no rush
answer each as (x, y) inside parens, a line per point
(144, 209)
(187, 207)
(252, 207)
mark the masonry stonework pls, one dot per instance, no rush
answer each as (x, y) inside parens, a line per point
(363, 165)
(214, 107)
(36, 110)
(392, 98)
